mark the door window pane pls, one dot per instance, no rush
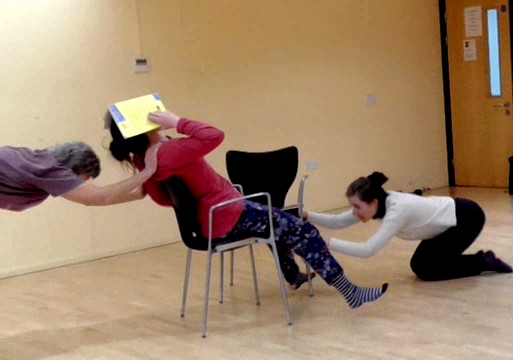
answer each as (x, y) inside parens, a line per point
(493, 53)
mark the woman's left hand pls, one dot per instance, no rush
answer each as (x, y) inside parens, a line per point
(166, 119)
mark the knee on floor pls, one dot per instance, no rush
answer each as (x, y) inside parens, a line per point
(422, 270)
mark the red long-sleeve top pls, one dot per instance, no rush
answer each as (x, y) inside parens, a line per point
(183, 157)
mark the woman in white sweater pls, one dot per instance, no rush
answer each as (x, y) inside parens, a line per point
(445, 225)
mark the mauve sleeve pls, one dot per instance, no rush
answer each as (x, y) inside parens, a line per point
(57, 181)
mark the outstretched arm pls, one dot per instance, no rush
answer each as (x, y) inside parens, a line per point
(338, 221)
(383, 236)
(117, 193)
(124, 191)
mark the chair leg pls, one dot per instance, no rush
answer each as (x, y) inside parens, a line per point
(221, 280)
(255, 280)
(232, 261)
(308, 272)
(282, 283)
(186, 280)
(207, 294)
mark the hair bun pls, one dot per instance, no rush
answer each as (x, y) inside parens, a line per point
(118, 151)
(377, 178)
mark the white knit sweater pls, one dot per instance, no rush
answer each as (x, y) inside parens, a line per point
(407, 216)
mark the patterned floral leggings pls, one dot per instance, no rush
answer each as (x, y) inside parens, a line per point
(292, 234)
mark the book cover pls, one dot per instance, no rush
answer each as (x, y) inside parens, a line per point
(131, 116)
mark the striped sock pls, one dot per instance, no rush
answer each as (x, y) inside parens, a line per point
(357, 296)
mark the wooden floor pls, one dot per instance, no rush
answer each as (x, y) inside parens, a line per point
(128, 307)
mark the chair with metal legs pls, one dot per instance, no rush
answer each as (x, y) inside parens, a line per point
(186, 214)
(271, 171)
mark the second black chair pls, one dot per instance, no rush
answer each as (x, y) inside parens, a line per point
(273, 172)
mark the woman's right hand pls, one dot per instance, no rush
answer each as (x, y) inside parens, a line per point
(150, 158)
(166, 119)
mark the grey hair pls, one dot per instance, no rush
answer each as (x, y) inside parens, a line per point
(77, 156)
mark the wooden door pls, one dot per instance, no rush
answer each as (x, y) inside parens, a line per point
(479, 52)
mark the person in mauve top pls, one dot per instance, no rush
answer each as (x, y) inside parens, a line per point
(28, 177)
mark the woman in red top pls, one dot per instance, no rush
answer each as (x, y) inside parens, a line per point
(184, 157)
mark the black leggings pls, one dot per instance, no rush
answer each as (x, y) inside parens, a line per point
(441, 258)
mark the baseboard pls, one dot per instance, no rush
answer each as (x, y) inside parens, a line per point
(77, 260)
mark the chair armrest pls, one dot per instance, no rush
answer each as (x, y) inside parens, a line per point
(297, 209)
(224, 204)
(301, 195)
(239, 188)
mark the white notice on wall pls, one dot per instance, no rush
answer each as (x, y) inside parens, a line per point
(473, 22)
(469, 50)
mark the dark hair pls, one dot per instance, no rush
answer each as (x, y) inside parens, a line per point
(368, 188)
(77, 156)
(123, 149)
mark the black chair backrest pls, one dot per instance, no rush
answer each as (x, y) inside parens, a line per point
(272, 171)
(186, 212)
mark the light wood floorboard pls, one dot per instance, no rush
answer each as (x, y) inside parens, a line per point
(128, 307)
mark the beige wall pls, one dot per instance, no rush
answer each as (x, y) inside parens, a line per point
(268, 73)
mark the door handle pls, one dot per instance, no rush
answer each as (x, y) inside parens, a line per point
(502, 105)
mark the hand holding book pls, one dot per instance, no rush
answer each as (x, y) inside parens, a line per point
(166, 119)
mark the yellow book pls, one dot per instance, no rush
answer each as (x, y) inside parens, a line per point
(131, 116)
